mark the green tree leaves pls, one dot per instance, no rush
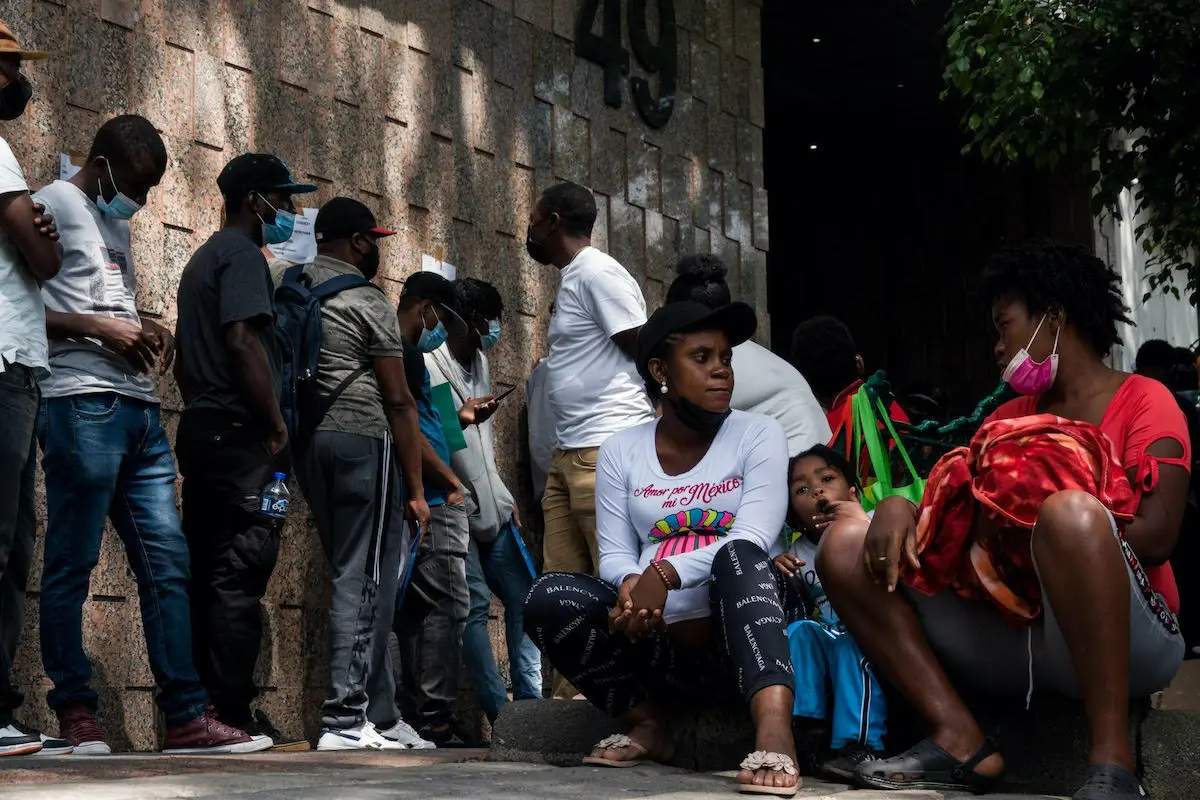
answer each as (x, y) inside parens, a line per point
(1108, 88)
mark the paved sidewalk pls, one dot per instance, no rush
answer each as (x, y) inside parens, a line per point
(441, 775)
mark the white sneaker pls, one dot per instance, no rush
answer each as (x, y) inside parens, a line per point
(16, 742)
(401, 736)
(51, 745)
(364, 737)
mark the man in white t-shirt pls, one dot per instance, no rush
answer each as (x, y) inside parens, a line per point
(592, 383)
(105, 453)
(28, 256)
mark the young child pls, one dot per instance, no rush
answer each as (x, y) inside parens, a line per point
(822, 488)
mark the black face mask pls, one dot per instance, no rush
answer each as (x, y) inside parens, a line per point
(370, 263)
(697, 418)
(536, 249)
(14, 98)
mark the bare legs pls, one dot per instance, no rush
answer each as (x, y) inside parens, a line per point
(771, 710)
(887, 629)
(648, 728)
(1085, 582)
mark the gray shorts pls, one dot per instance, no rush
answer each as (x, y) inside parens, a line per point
(977, 648)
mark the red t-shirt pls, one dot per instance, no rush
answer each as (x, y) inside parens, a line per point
(1142, 412)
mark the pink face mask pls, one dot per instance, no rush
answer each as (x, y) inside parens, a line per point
(1027, 376)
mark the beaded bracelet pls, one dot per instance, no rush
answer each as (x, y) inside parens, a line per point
(662, 573)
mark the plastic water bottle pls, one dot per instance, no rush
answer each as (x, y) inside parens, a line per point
(273, 502)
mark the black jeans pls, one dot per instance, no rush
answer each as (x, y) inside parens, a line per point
(19, 397)
(566, 615)
(225, 466)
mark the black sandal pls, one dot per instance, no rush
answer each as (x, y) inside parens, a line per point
(1110, 782)
(927, 766)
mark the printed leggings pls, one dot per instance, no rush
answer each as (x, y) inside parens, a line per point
(566, 615)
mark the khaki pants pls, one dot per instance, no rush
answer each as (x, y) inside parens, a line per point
(569, 509)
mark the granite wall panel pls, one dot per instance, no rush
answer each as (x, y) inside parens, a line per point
(448, 116)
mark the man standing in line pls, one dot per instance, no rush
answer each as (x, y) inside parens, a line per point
(496, 559)
(232, 436)
(592, 383)
(361, 475)
(434, 609)
(105, 453)
(28, 258)
(593, 386)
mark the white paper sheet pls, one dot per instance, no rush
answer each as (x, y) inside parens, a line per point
(432, 264)
(302, 247)
(68, 165)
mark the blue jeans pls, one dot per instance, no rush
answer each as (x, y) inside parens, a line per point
(106, 455)
(501, 567)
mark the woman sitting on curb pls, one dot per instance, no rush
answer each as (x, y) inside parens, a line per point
(688, 608)
(1102, 623)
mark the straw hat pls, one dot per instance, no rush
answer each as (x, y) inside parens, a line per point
(10, 45)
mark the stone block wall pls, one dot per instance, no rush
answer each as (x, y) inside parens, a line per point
(445, 116)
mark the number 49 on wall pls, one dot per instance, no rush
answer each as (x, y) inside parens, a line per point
(607, 51)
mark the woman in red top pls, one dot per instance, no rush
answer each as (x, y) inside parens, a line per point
(1108, 628)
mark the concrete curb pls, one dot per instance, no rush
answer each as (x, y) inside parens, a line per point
(1045, 748)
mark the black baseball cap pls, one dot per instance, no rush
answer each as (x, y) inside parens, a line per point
(737, 320)
(342, 217)
(258, 172)
(433, 287)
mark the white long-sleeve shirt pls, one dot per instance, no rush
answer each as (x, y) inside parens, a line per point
(766, 384)
(737, 491)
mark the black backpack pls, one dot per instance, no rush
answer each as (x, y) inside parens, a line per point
(299, 335)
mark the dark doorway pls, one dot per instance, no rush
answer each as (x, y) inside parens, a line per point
(876, 217)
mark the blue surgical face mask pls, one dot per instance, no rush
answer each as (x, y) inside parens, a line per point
(121, 206)
(488, 340)
(281, 229)
(432, 340)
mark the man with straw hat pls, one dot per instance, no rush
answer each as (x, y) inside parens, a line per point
(29, 256)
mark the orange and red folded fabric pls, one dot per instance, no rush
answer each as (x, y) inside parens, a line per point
(1007, 472)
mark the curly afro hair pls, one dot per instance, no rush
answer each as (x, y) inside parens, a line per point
(701, 278)
(1050, 276)
(473, 296)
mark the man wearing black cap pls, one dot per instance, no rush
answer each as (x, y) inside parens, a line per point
(437, 602)
(232, 436)
(355, 470)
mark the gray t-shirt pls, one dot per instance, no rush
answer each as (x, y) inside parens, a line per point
(97, 277)
(226, 281)
(357, 325)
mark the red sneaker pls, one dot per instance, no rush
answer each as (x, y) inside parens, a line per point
(78, 726)
(207, 734)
